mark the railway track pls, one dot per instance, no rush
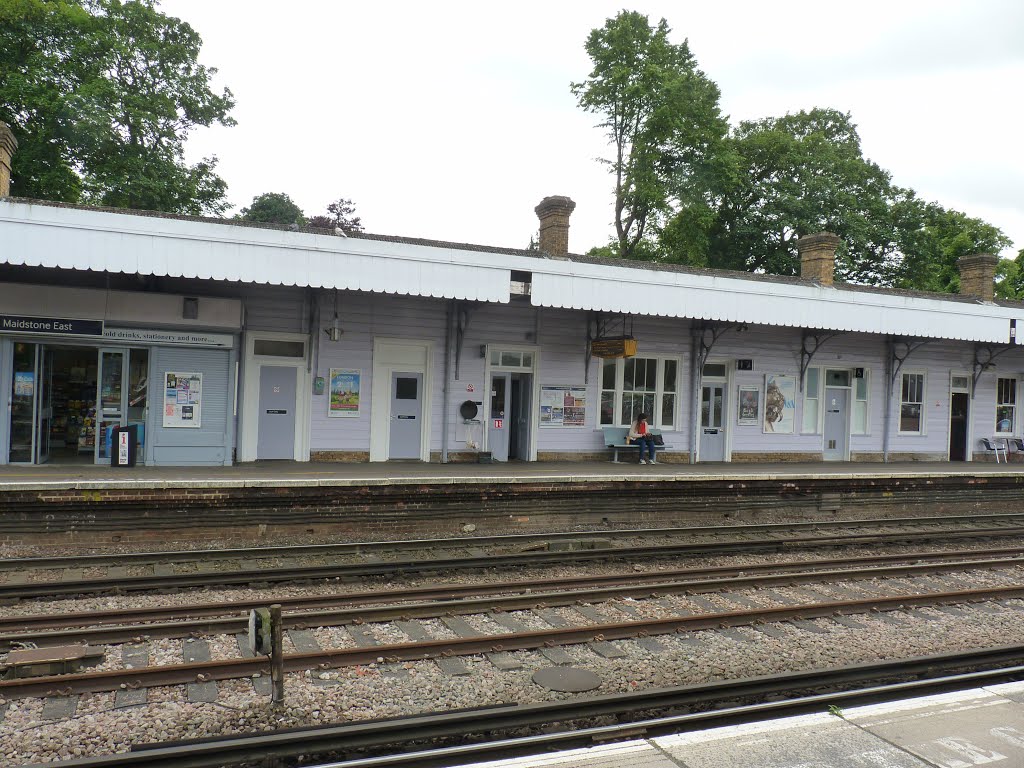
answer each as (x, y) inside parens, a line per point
(131, 625)
(516, 636)
(25, 582)
(456, 735)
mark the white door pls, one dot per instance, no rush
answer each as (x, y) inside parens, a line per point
(837, 423)
(499, 426)
(275, 436)
(713, 410)
(406, 427)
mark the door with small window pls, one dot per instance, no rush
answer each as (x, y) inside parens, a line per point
(836, 426)
(714, 408)
(406, 415)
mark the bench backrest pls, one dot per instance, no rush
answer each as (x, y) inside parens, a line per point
(615, 435)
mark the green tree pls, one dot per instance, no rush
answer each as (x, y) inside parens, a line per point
(273, 208)
(1010, 277)
(340, 215)
(101, 95)
(663, 121)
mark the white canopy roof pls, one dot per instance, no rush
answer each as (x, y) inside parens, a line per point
(74, 238)
(43, 235)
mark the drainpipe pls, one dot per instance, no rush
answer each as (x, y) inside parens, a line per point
(449, 315)
(695, 375)
(887, 413)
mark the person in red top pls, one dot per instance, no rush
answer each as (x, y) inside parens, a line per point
(640, 434)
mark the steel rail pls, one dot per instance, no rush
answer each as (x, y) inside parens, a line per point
(493, 603)
(459, 724)
(357, 548)
(50, 589)
(38, 622)
(81, 682)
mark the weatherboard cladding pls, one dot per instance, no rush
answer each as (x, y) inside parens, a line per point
(54, 235)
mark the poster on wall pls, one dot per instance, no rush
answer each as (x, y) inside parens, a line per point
(344, 399)
(24, 383)
(749, 411)
(779, 403)
(183, 399)
(563, 406)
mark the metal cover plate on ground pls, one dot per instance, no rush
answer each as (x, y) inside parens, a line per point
(567, 679)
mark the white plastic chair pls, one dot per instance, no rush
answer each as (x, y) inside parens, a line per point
(994, 446)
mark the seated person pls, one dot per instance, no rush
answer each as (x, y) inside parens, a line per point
(640, 434)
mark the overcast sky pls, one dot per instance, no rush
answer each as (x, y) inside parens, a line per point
(451, 120)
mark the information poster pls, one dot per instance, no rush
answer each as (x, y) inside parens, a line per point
(24, 383)
(779, 403)
(183, 399)
(563, 406)
(344, 399)
(749, 412)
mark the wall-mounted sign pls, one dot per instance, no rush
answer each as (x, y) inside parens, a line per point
(745, 364)
(749, 411)
(499, 423)
(344, 399)
(563, 406)
(183, 399)
(171, 338)
(24, 383)
(779, 403)
(613, 347)
(51, 326)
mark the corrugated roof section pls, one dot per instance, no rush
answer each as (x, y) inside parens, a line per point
(705, 297)
(70, 238)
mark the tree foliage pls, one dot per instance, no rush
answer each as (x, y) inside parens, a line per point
(689, 190)
(340, 215)
(274, 208)
(101, 95)
(662, 118)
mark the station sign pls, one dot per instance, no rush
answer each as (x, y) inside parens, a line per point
(50, 326)
(609, 348)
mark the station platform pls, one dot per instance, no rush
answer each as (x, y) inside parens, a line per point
(981, 726)
(298, 502)
(306, 474)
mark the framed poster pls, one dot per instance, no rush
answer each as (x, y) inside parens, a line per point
(749, 411)
(183, 399)
(779, 403)
(563, 406)
(344, 392)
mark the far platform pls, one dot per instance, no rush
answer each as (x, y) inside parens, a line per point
(307, 474)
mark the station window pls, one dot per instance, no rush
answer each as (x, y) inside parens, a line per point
(912, 404)
(812, 400)
(1006, 406)
(859, 422)
(635, 384)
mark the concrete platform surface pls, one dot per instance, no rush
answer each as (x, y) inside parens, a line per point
(983, 726)
(285, 473)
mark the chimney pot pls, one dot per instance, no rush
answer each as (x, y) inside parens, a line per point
(8, 144)
(818, 257)
(554, 213)
(978, 275)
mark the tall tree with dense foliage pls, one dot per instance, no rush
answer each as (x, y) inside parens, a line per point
(274, 208)
(101, 95)
(340, 216)
(662, 118)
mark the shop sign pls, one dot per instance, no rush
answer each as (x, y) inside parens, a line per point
(170, 338)
(61, 326)
(622, 347)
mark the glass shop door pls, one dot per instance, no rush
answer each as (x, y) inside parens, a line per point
(110, 400)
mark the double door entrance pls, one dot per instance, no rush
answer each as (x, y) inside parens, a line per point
(508, 429)
(67, 400)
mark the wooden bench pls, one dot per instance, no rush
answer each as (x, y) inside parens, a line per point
(615, 438)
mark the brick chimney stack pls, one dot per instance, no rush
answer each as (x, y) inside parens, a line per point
(8, 144)
(554, 213)
(818, 257)
(978, 275)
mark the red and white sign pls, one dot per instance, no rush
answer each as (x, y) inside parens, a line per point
(470, 388)
(499, 423)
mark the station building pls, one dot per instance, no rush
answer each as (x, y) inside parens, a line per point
(223, 342)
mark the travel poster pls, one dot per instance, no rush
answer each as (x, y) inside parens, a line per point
(779, 403)
(344, 399)
(183, 399)
(563, 406)
(749, 412)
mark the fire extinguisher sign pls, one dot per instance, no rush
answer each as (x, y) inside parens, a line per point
(499, 423)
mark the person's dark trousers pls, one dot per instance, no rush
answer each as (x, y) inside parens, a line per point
(646, 444)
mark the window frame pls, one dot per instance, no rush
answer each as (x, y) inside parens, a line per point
(657, 418)
(866, 378)
(1000, 404)
(817, 398)
(923, 427)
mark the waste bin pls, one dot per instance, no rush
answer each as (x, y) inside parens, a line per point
(124, 446)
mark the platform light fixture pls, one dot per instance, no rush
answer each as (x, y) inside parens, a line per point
(334, 331)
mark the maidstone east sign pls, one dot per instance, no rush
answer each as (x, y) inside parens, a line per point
(61, 326)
